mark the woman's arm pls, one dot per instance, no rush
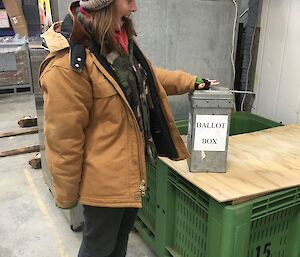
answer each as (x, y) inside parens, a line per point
(67, 102)
(175, 82)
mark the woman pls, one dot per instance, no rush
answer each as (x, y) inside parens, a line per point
(106, 114)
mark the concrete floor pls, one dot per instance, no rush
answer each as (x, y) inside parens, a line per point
(30, 224)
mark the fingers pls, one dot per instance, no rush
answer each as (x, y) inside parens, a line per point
(213, 82)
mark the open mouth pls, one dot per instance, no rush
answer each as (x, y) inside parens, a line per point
(127, 16)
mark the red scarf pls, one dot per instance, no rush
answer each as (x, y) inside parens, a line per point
(121, 38)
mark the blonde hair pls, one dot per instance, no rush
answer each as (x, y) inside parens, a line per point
(101, 28)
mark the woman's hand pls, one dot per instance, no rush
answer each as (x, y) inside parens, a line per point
(206, 84)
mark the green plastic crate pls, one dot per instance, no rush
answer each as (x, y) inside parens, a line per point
(179, 220)
(147, 213)
(189, 223)
(241, 122)
(245, 122)
(264, 227)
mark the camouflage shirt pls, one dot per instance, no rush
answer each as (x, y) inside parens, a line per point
(134, 84)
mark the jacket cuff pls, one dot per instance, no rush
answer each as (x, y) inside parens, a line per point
(192, 86)
(66, 205)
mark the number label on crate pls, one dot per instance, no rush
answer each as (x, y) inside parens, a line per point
(263, 251)
(210, 132)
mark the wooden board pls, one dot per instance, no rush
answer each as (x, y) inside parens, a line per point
(258, 163)
(23, 150)
(20, 132)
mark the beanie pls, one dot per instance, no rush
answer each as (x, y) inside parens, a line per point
(94, 5)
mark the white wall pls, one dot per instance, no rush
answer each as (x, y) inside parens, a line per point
(277, 83)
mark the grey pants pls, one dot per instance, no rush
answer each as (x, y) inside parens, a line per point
(106, 231)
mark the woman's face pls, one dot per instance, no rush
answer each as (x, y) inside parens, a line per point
(124, 8)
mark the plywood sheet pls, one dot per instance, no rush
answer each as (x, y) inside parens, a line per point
(258, 163)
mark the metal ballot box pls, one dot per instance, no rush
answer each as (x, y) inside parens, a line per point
(208, 129)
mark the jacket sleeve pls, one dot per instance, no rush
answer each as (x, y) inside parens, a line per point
(67, 102)
(175, 82)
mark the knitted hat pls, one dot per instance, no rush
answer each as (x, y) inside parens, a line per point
(94, 5)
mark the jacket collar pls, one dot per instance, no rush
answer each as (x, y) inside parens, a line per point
(54, 41)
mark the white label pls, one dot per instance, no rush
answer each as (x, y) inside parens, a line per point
(15, 20)
(210, 132)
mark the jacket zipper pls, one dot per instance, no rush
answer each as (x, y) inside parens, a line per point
(142, 187)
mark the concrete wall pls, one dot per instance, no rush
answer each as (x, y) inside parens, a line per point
(192, 35)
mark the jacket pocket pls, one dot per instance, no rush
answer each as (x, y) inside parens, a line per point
(103, 89)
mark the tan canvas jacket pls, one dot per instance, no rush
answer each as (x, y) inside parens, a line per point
(94, 147)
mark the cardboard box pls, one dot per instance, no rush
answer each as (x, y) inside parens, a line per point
(15, 64)
(4, 21)
(16, 16)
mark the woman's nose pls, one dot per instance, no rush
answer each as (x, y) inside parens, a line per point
(133, 6)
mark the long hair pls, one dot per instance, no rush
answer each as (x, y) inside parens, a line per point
(100, 27)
